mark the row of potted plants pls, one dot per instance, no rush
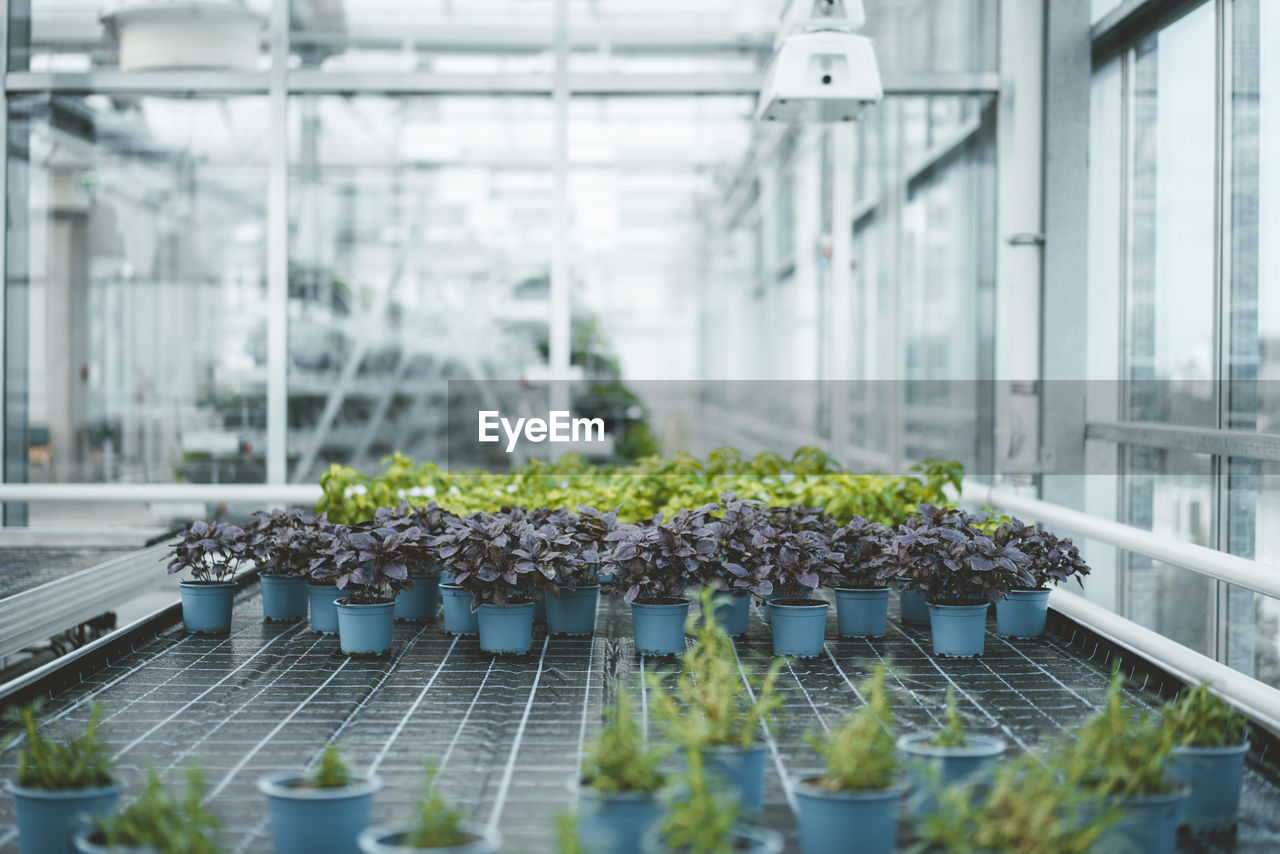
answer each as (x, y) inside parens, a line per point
(492, 571)
(1120, 781)
(639, 490)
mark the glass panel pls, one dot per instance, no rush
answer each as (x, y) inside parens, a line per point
(1253, 624)
(425, 263)
(1254, 308)
(1169, 325)
(1171, 494)
(135, 289)
(81, 35)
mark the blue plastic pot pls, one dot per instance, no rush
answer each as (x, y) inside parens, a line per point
(324, 613)
(573, 612)
(365, 629)
(48, 821)
(506, 629)
(659, 626)
(447, 577)
(455, 605)
(959, 631)
(1149, 825)
(764, 615)
(742, 772)
(798, 630)
(1212, 775)
(931, 768)
(615, 822)
(418, 604)
(389, 840)
(732, 612)
(861, 611)
(746, 840)
(284, 598)
(206, 608)
(305, 819)
(862, 821)
(1022, 613)
(913, 606)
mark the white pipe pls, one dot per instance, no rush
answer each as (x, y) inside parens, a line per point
(209, 493)
(1259, 577)
(1257, 700)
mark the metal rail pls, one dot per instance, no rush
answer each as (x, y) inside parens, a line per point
(209, 493)
(33, 616)
(1259, 701)
(1258, 577)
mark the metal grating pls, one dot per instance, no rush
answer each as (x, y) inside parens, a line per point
(507, 733)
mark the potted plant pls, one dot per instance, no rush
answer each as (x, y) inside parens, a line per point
(1050, 560)
(284, 545)
(654, 563)
(60, 784)
(702, 818)
(856, 795)
(945, 553)
(212, 554)
(419, 603)
(1122, 757)
(156, 823)
(368, 563)
(573, 596)
(1025, 808)
(862, 596)
(946, 757)
(501, 562)
(437, 827)
(714, 711)
(738, 576)
(794, 542)
(617, 791)
(326, 811)
(803, 518)
(1210, 741)
(322, 590)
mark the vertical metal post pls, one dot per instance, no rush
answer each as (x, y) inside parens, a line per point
(278, 248)
(1019, 224)
(559, 323)
(4, 241)
(840, 325)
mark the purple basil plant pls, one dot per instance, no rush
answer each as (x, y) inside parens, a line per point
(945, 553)
(1051, 560)
(287, 541)
(657, 560)
(501, 558)
(863, 547)
(369, 561)
(212, 553)
(589, 529)
(794, 543)
(740, 573)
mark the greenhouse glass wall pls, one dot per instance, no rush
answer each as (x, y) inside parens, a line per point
(1007, 261)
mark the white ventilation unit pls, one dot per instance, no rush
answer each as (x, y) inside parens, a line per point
(822, 69)
(221, 35)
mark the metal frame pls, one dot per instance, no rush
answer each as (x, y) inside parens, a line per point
(33, 616)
